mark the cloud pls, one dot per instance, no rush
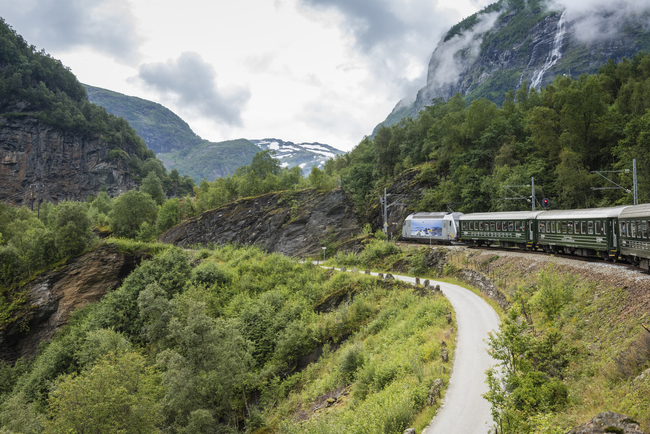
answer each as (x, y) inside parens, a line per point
(394, 37)
(106, 26)
(447, 62)
(191, 84)
(594, 20)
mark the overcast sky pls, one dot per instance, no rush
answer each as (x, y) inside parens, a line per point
(297, 70)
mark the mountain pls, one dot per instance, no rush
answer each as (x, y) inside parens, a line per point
(305, 155)
(159, 127)
(211, 160)
(54, 144)
(516, 41)
(180, 148)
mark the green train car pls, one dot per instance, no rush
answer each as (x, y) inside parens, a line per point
(509, 229)
(583, 232)
(634, 242)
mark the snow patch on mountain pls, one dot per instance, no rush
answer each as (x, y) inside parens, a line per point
(303, 155)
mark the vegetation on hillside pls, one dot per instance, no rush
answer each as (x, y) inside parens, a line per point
(32, 83)
(263, 175)
(209, 160)
(471, 151)
(157, 125)
(212, 343)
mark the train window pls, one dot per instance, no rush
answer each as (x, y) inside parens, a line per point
(476, 226)
(638, 229)
(623, 230)
(605, 227)
(480, 226)
(576, 227)
(541, 227)
(553, 227)
(518, 226)
(511, 226)
(492, 226)
(498, 226)
(591, 228)
(465, 226)
(632, 229)
(597, 228)
(504, 226)
(564, 227)
(644, 228)
(583, 227)
(570, 227)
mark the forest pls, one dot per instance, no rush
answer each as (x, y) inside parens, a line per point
(470, 150)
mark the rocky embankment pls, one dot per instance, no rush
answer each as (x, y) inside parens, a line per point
(296, 224)
(41, 163)
(56, 294)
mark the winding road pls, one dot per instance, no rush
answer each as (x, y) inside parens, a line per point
(464, 411)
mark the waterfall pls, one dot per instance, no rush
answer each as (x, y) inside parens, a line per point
(554, 55)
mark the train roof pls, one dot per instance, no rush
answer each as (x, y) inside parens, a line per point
(634, 211)
(504, 215)
(433, 215)
(590, 213)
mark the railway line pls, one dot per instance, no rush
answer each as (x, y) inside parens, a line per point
(588, 259)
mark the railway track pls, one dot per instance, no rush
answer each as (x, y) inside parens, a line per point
(588, 259)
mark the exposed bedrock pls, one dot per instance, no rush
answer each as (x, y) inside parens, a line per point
(296, 224)
(56, 294)
(39, 162)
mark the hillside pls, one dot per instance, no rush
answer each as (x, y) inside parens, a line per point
(81, 149)
(158, 126)
(512, 42)
(180, 148)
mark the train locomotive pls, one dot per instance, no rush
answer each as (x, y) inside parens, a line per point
(434, 227)
(614, 233)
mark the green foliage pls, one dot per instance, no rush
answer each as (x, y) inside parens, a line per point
(215, 336)
(130, 210)
(466, 153)
(553, 294)
(528, 385)
(169, 215)
(153, 187)
(118, 394)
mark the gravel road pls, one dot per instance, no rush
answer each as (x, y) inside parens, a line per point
(464, 410)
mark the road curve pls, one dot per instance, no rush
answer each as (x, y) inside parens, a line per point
(464, 411)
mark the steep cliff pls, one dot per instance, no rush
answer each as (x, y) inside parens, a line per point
(39, 162)
(56, 294)
(495, 50)
(54, 144)
(293, 223)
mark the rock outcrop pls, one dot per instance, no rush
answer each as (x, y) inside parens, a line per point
(41, 163)
(296, 224)
(608, 422)
(56, 294)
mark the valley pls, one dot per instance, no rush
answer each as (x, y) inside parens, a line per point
(155, 282)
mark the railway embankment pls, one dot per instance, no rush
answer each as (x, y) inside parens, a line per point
(580, 326)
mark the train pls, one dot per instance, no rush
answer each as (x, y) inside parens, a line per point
(615, 234)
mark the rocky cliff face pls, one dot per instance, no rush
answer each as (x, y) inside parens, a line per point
(40, 163)
(494, 51)
(296, 224)
(56, 294)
